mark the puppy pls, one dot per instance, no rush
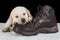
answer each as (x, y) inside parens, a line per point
(19, 15)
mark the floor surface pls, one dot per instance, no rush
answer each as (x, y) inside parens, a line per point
(40, 36)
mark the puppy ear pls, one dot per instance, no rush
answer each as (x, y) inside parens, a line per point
(29, 15)
(10, 18)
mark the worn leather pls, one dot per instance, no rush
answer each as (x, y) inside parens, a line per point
(43, 22)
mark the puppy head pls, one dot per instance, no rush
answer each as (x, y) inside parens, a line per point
(21, 15)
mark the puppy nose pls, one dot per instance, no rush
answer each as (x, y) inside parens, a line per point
(15, 23)
(23, 20)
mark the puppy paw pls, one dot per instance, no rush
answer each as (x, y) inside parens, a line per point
(5, 30)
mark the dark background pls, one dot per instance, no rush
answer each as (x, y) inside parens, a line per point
(7, 5)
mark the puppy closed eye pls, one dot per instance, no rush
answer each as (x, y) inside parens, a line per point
(16, 16)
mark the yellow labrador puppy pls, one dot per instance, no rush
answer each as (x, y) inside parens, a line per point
(20, 15)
